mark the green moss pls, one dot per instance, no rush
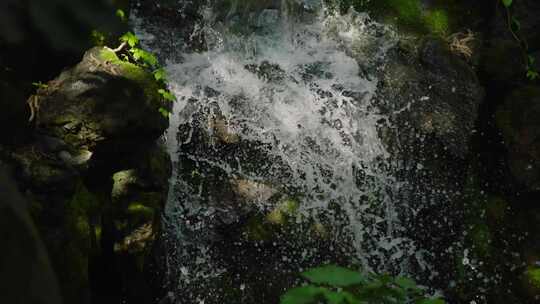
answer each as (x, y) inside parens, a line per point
(281, 214)
(437, 22)
(134, 73)
(439, 17)
(533, 276)
(408, 11)
(98, 230)
(140, 211)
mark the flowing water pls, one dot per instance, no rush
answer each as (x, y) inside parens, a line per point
(278, 109)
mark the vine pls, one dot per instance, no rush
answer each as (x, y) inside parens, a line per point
(514, 26)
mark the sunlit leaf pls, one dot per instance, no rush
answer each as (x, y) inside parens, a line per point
(130, 39)
(334, 276)
(507, 3)
(160, 75)
(120, 14)
(164, 112)
(167, 95)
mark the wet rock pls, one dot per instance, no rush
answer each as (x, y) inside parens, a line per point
(432, 99)
(252, 191)
(434, 96)
(518, 120)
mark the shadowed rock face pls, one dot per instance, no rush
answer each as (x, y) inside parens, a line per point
(95, 176)
(518, 119)
(26, 274)
(432, 97)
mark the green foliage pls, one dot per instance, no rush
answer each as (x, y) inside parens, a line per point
(40, 85)
(98, 38)
(130, 39)
(532, 74)
(121, 14)
(167, 95)
(131, 52)
(507, 3)
(334, 276)
(437, 21)
(514, 26)
(337, 285)
(149, 62)
(164, 112)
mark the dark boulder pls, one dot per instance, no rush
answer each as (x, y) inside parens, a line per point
(95, 120)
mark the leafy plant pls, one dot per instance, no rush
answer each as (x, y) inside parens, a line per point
(514, 26)
(336, 285)
(131, 51)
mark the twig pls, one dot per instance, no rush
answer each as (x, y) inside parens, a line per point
(118, 49)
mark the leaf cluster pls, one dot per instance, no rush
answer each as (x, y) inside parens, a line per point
(336, 285)
(131, 51)
(144, 59)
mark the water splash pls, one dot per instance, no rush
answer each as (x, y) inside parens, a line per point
(288, 102)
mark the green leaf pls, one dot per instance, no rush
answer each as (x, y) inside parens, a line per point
(98, 38)
(507, 3)
(334, 297)
(130, 39)
(516, 25)
(302, 295)
(334, 276)
(167, 95)
(120, 14)
(144, 57)
(340, 297)
(352, 299)
(164, 112)
(160, 75)
(405, 283)
(532, 75)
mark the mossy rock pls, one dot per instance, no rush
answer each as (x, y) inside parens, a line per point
(419, 17)
(134, 72)
(103, 105)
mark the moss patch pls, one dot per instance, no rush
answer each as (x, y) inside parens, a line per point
(134, 73)
(437, 22)
(532, 276)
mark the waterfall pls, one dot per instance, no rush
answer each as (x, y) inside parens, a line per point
(281, 100)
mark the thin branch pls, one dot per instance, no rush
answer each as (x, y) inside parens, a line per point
(119, 48)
